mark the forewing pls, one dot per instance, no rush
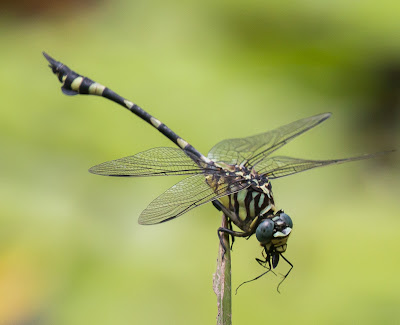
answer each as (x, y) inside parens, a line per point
(184, 196)
(257, 147)
(161, 161)
(280, 166)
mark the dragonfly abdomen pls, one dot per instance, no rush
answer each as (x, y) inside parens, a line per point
(74, 84)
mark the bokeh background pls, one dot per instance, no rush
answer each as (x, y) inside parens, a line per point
(71, 249)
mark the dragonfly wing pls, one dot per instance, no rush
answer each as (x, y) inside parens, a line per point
(161, 161)
(184, 196)
(251, 149)
(280, 166)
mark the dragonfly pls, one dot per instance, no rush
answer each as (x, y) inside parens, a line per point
(235, 175)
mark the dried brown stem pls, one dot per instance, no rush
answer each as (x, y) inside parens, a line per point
(222, 280)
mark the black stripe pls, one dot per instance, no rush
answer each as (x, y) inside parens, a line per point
(84, 87)
(270, 193)
(236, 204)
(230, 202)
(168, 133)
(247, 201)
(256, 201)
(71, 76)
(264, 204)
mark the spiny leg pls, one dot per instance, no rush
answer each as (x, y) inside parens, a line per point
(263, 263)
(217, 205)
(257, 277)
(230, 228)
(266, 259)
(229, 232)
(286, 275)
(220, 207)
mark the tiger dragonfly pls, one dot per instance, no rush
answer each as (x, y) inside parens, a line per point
(235, 175)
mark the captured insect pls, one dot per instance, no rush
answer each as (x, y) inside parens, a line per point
(235, 175)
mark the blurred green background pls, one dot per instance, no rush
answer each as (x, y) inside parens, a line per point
(71, 249)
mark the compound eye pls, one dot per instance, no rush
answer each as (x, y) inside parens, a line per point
(264, 231)
(286, 219)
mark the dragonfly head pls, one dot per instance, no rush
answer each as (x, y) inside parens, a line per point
(273, 232)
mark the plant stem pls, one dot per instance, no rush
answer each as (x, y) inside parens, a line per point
(222, 281)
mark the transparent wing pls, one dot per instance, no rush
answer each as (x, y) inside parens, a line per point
(161, 161)
(255, 148)
(280, 166)
(184, 196)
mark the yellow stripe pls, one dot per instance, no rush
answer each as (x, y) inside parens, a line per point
(96, 89)
(241, 196)
(251, 208)
(242, 212)
(182, 143)
(76, 83)
(128, 103)
(261, 201)
(265, 210)
(155, 122)
(254, 222)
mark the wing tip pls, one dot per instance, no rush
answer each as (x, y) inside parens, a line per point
(94, 170)
(323, 116)
(97, 170)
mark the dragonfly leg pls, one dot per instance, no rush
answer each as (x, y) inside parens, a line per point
(230, 228)
(217, 205)
(286, 275)
(229, 232)
(220, 207)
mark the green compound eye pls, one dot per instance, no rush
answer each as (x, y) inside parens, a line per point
(286, 219)
(265, 230)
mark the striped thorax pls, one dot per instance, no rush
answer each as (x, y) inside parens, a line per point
(249, 205)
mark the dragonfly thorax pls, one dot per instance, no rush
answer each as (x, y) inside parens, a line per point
(261, 183)
(258, 182)
(255, 199)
